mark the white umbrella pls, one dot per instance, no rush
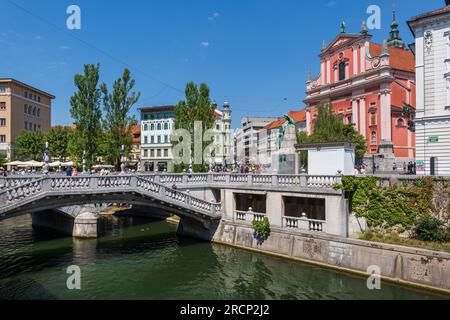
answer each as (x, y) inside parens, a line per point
(67, 164)
(104, 166)
(31, 164)
(55, 164)
(14, 163)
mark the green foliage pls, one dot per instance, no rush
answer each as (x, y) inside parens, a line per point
(58, 140)
(117, 122)
(196, 107)
(329, 127)
(262, 228)
(3, 160)
(302, 138)
(29, 145)
(431, 229)
(398, 205)
(87, 114)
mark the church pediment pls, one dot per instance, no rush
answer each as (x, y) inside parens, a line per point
(343, 40)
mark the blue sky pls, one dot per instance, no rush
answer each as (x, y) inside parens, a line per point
(253, 53)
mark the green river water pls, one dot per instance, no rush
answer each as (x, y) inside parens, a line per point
(145, 259)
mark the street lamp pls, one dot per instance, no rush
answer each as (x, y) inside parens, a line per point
(46, 166)
(84, 161)
(122, 159)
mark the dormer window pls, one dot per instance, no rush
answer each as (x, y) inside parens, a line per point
(342, 71)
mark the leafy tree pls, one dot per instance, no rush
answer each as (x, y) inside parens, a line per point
(58, 140)
(30, 145)
(3, 160)
(302, 138)
(196, 107)
(329, 127)
(117, 122)
(86, 112)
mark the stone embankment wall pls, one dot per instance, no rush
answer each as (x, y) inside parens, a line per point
(417, 267)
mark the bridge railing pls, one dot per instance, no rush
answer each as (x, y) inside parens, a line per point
(85, 184)
(211, 179)
(248, 216)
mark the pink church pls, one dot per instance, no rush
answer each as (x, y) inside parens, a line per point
(372, 86)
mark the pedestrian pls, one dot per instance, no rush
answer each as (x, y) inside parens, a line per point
(69, 171)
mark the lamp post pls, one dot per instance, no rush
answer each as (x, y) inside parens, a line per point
(122, 159)
(84, 161)
(46, 166)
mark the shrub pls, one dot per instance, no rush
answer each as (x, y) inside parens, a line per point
(262, 228)
(430, 229)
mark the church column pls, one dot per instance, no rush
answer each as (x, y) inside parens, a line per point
(386, 122)
(362, 116)
(328, 71)
(355, 113)
(322, 73)
(363, 59)
(355, 60)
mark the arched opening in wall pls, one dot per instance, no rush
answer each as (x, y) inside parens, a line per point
(341, 71)
(400, 123)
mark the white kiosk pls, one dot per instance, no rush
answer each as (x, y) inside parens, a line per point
(330, 159)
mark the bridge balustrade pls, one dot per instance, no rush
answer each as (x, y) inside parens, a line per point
(304, 224)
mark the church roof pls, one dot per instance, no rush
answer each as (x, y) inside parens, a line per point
(399, 59)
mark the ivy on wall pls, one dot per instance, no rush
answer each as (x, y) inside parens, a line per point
(399, 204)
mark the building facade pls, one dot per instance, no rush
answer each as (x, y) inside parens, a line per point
(135, 154)
(223, 137)
(432, 51)
(370, 86)
(249, 136)
(157, 124)
(271, 136)
(22, 107)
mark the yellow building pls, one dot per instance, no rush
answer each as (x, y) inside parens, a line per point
(22, 107)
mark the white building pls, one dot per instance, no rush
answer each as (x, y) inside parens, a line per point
(432, 50)
(157, 124)
(223, 139)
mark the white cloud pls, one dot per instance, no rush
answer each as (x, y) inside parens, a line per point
(214, 16)
(205, 44)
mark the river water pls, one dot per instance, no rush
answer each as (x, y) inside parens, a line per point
(144, 259)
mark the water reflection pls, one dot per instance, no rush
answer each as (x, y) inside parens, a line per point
(144, 259)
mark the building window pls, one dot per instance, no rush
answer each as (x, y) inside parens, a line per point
(2, 122)
(2, 105)
(38, 113)
(166, 153)
(159, 139)
(373, 118)
(349, 119)
(145, 153)
(145, 127)
(166, 126)
(373, 138)
(152, 153)
(34, 111)
(159, 126)
(25, 109)
(145, 140)
(152, 139)
(218, 127)
(342, 71)
(158, 153)
(39, 99)
(2, 89)
(152, 127)
(166, 139)
(30, 110)
(25, 94)
(2, 138)
(35, 127)
(400, 122)
(26, 125)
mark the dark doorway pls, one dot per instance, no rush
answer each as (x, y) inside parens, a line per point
(433, 166)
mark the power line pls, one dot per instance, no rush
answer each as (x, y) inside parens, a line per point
(112, 57)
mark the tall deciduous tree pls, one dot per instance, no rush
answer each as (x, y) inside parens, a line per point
(29, 145)
(196, 107)
(86, 112)
(58, 140)
(118, 122)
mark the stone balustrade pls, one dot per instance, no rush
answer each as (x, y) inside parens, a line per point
(304, 224)
(248, 216)
(60, 186)
(206, 179)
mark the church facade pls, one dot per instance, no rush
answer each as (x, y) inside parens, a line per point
(372, 87)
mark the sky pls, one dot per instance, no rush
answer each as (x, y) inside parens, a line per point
(255, 54)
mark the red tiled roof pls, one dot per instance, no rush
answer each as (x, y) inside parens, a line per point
(399, 59)
(298, 116)
(276, 124)
(136, 132)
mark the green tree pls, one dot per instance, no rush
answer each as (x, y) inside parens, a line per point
(3, 160)
(30, 145)
(329, 127)
(118, 123)
(58, 140)
(87, 114)
(196, 107)
(302, 138)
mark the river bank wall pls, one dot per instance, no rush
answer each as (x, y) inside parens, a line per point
(420, 268)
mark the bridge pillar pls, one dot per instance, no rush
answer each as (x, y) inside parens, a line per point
(194, 229)
(85, 226)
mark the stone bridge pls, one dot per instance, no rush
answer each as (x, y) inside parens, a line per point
(201, 200)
